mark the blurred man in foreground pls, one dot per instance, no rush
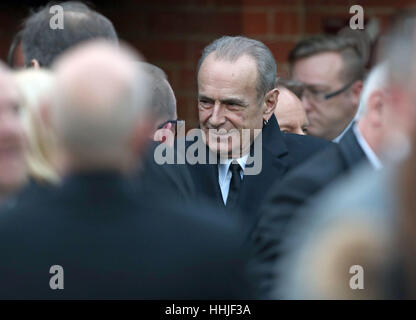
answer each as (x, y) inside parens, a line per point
(95, 237)
(358, 238)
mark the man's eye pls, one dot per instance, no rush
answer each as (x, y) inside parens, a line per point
(305, 130)
(233, 106)
(205, 103)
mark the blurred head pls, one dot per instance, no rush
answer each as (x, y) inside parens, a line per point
(374, 109)
(399, 51)
(289, 112)
(42, 44)
(35, 87)
(12, 146)
(99, 109)
(236, 90)
(331, 69)
(163, 102)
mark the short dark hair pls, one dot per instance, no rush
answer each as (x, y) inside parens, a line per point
(347, 47)
(162, 96)
(41, 42)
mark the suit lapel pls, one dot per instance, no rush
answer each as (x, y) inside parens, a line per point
(274, 166)
(350, 148)
(206, 179)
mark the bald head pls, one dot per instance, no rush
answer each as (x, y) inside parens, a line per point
(99, 101)
(290, 113)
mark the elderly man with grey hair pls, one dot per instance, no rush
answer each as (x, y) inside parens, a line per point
(96, 236)
(237, 95)
(363, 142)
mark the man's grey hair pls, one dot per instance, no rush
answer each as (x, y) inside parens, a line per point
(163, 101)
(98, 129)
(399, 49)
(231, 48)
(376, 80)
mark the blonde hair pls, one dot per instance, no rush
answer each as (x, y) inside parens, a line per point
(34, 86)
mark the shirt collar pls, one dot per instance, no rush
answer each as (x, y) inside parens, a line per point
(338, 139)
(371, 156)
(224, 166)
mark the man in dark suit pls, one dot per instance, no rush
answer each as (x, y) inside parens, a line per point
(362, 142)
(95, 236)
(237, 96)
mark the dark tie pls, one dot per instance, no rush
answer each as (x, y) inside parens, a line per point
(235, 186)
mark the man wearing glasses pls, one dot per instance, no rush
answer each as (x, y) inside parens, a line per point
(331, 71)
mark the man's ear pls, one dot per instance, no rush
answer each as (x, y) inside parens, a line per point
(34, 64)
(270, 102)
(375, 107)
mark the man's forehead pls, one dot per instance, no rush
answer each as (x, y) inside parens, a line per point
(318, 69)
(242, 66)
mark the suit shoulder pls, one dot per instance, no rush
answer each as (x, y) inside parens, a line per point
(310, 142)
(303, 147)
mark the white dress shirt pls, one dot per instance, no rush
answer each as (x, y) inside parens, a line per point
(224, 174)
(369, 153)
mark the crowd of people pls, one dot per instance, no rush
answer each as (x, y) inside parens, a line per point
(290, 188)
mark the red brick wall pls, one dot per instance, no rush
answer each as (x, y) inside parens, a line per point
(172, 33)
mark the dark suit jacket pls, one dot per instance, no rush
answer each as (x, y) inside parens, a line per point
(288, 195)
(173, 179)
(116, 244)
(280, 153)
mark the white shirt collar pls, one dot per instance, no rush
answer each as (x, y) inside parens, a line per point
(224, 166)
(337, 139)
(371, 156)
(224, 174)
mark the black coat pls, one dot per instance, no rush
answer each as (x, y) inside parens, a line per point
(280, 153)
(114, 243)
(300, 185)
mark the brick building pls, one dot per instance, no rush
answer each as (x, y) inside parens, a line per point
(172, 33)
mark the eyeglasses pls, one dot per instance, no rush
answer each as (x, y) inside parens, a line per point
(318, 96)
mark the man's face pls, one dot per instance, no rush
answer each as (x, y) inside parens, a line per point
(321, 75)
(290, 114)
(227, 102)
(12, 162)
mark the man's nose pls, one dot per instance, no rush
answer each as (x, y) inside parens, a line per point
(306, 103)
(217, 117)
